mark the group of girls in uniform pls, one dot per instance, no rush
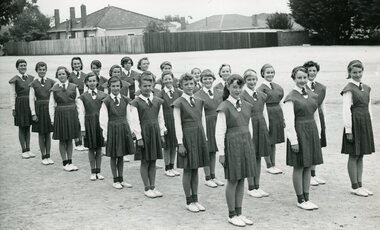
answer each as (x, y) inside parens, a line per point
(199, 119)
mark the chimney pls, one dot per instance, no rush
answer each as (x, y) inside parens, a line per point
(254, 20)
(72, 21)
(83, 15)
(56, 18)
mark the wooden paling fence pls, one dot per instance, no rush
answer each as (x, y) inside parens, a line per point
(158, 43)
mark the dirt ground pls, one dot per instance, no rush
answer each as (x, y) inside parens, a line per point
(34, 196)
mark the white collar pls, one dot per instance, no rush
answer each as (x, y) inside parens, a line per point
(355, 82)
(310, 82)
(95, 90)
(267, 83)
(146, 98)
(206, 90)
(126, 72)
(249, 91)
(187, 97)
(166, 89)
(61, 84)
(40, 79)
(113, 96)
(232, 100)
(77, 72)
(298, 89)
(20, 75)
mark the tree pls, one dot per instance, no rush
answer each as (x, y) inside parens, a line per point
(9, 9)
(279, 21)
(154, 26)
(331, 19)
(30, 25)
(366, 14)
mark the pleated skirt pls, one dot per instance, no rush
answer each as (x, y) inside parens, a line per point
(170, 137)
(240, 157)
(363, 135)
(94, 134)
(66, 123)
(261, 139)
(211, 126)
(323, 128)
(310, 152)
(194, 141)
(43, 125)
(23, 116)
(152, 149)
(119, 139)
(276, 123)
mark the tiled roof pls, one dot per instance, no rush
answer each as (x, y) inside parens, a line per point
(111, 18)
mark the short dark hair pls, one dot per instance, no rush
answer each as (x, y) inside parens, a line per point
(296, 70)
(40, 64)
(167, 73)
(96, 63)
(19, 61)
(146, 76)
(207, 73)
(64, 68)
(91, 74)
(139, 63)
(163, 64)
(230, 80)
(221, 67)
(112, 80)
(114, 67)
(247, 73)
(266, 66)
(125, 60)
(309, 64)
(186, 77)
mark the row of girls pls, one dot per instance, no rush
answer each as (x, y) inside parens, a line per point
(136, 113)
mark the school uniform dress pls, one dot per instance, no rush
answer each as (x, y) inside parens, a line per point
(103, 81)
(132, 78)
(320, 90)
(357, 119)
(148, 124)
(77, 78)
(234, 139)
(88, 108)
(115, 122)
(302, 128)
(219, 86)
(190, 124)
(63, 111)
(274, 94)
(211, 99)
(20, 99)
(39, 104)
(169, 96)
(259, 117)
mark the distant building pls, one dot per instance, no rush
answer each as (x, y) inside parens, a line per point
(109, 21)
(232, 22)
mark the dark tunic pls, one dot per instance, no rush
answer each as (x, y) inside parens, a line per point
(275, 114)
(194, 139)
(41, 104)
(362, 132)
(66, 123)
(210, 106)
(170, 137)
(260, 137)
(150, 129)
(94, 137)
(23, 116)
(131, 80)
(240, 157)
(307, 132)
(79, 81)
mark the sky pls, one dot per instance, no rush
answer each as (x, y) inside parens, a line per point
(193, 10)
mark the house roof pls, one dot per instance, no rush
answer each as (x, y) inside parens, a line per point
(109, 18)
(227, 22)
(231, 22)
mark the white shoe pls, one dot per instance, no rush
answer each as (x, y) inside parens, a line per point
(125, 184)
(236, 221)
(117, 185)
(80, 148)
(126, 159)
(246, 220)
(150, 194)
(370, 193)
(73, 167)
(359, 192)
(99, 176)
(175, 172)
(254, 193)
(200, 207)
(319, 180)
(157, 193)
(313, 181)
(277, 170)
(311, 204)
(304, 205)
(210, 183)
(192, 207)
(262, 192)
(271, 170)
(25, 155)
(169, 173)
(67, 168)
(158, 166)
(31, 155)
(218, 182)
(93, 177)
(44, 162)
(50, 161)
